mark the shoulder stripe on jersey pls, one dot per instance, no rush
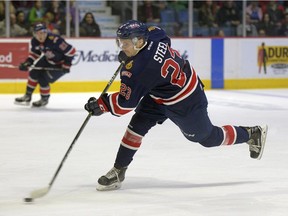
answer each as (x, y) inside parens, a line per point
(184, 93)
(71, 52)
(116, 109)
(33, 55)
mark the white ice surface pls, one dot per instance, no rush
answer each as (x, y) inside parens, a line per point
(169, 176)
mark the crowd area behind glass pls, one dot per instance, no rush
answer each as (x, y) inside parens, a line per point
(75, 18)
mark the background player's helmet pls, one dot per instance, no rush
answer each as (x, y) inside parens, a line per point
(133, 29)
(40, 32)
(39, 27)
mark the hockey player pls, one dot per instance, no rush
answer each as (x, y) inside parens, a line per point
(161, 85)
(47, 50)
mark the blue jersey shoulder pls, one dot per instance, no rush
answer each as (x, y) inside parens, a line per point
(145, 58)
(51, 40)
(156, 34)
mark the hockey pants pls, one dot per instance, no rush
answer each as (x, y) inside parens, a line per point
(190, 116)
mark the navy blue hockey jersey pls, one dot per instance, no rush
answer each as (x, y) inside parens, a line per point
(157, 70)
(56, 50)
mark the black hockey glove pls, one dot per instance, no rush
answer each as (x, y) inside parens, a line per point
(122, 57)
(97, 106)
(24, 66)
(66, 68)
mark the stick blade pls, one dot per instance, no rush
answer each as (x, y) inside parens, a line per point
(8, 66)
(39, 193)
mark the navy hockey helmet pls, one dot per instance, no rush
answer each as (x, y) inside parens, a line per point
(39, 27)
(133, 29)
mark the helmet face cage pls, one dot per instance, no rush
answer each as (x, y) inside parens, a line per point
(125, 44)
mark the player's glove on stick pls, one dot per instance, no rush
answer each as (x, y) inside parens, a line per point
(97, 106)
(65, 68)
(24, 66)
(122, 57)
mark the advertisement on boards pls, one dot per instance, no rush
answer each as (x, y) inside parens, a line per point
(273, 59)
(98, 59)
(256, 58)
(13, 54)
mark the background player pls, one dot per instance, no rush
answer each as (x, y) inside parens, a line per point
(162, 85)
(50, 51)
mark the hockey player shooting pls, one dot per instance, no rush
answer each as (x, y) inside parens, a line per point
(161, 85)
(47, 51)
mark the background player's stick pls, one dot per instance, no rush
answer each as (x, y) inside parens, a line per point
(31, 67)
(43, 191)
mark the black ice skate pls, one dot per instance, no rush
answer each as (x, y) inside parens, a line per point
(40, 103)
(112, 180)
(257, 139)
(24, 100)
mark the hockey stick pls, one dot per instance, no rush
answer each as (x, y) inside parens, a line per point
(43, 191)
(32, 67)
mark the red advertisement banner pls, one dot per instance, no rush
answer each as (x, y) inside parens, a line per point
(13, 54)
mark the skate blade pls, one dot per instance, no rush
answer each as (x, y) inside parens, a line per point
(263, 140)
(38, 105)
(42, 106)
(22, 103)
(114, 186)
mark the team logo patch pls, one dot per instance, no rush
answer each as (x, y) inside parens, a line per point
(40, 47)
(151, 28)
(49, 54)
(134, 25)
(129, 65)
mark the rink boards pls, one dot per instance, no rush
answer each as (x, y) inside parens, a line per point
(230, 63)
